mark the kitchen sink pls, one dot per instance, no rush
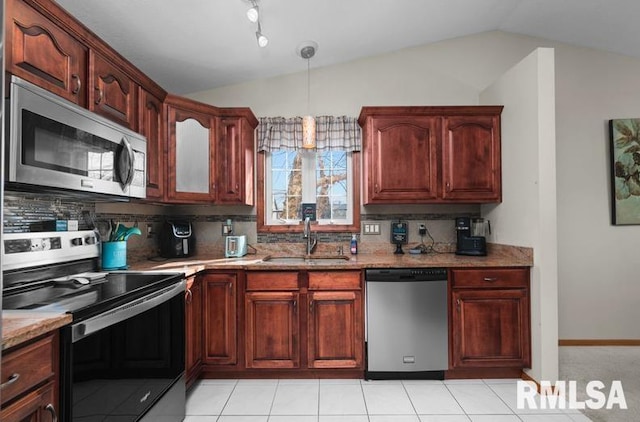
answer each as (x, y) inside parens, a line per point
(307, 259)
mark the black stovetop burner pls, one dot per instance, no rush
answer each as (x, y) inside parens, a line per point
(84, 301)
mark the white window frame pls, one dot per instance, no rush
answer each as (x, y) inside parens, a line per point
(308, 190)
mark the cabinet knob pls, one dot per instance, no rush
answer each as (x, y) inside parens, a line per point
(375, 188)
(311, 306)
(231, 287)
(448, 186)
(458, 304)
(295, 306)
(189, 296)
(12, 378)
(54, 415)
(78, 87)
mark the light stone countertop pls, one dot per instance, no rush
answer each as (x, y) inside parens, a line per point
(21, 326)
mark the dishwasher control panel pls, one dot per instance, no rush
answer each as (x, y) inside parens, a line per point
(405, 274)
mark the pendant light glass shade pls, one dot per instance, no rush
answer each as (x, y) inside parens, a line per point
(308, 132)
(306, 51)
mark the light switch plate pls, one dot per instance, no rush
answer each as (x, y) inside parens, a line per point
(371, 228)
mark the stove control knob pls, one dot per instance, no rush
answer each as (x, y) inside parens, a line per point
(82, 329)
(90, 240)
(76, 241)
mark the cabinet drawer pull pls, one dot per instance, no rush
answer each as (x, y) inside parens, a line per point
(490, 279)
(78, 87)
(99, 98)
(52, 410)
(295, 306)
(458, 304)
(13, 378)
(311, 306)
(189, 296)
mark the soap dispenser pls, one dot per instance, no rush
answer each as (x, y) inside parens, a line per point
(354, 245)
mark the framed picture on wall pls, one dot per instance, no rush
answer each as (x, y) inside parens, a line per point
(625, 170)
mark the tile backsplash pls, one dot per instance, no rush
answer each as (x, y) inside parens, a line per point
(21, 209)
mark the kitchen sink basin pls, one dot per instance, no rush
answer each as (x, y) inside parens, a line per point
(307, 259)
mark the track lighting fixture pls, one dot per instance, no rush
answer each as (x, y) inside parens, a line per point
(253, 14)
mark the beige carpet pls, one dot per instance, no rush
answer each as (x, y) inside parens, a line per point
(605, 364)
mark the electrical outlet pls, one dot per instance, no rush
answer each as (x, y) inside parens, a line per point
(150, 232)
(422, 229)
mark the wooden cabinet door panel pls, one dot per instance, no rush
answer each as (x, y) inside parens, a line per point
(335, 330)
(41, 52)
(190, 156)
(37, 406)
(150, 125)
(471, 158)
(272, 330)
(220, 326)
(230, 174)
(490, 328)
(112, 93)
(194, 332)
(401, 160)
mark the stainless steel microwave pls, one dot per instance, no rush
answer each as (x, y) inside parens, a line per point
(54, 143)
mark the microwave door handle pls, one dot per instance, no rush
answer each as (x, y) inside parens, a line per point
(127, 178)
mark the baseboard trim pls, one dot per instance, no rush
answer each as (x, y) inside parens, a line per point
(600, 342)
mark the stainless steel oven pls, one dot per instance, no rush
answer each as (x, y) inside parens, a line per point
(123, 356)
(54, 143)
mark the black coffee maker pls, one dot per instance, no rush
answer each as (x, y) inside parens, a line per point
(466, 243)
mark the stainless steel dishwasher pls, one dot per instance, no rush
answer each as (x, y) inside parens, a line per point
(406, 323)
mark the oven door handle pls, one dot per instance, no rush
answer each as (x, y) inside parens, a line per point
(126, 311)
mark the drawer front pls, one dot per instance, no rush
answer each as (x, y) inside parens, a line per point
(272, 280)
(490, 277)
(334, 280)
(25, 367)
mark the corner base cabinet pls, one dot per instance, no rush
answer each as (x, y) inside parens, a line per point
(490, 319)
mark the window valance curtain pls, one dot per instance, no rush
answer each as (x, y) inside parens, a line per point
(332, 132)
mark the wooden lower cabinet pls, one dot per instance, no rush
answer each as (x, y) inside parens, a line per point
(193, 331)
(272, 330)
(490, 319)
(307, 320)
(29, 379)
(220, 319)
(37, 406)
(335, 330)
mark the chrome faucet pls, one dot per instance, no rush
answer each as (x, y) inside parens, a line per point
(312, 241)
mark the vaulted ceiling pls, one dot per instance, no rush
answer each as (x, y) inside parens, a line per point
(193, 45)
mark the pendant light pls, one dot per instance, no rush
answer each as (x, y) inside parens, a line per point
(307, 50)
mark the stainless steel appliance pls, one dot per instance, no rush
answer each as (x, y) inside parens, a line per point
(53, 143)
(123, 356)
(235, 246)
(406, 323)
(467, 242)
(177, 239)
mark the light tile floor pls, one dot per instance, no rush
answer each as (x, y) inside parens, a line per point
(275, 400)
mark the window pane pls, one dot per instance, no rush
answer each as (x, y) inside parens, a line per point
(331, 185)
(286, 185)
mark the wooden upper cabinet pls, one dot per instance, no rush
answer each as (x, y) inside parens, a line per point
(471, 167)
(235, 157)
(191, 135)
(434, 154)
(41, 52)
(400, 161)
(112, 93)
(150, 124)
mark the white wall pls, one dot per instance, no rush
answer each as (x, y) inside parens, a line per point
(527, 214)
(598, 263)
